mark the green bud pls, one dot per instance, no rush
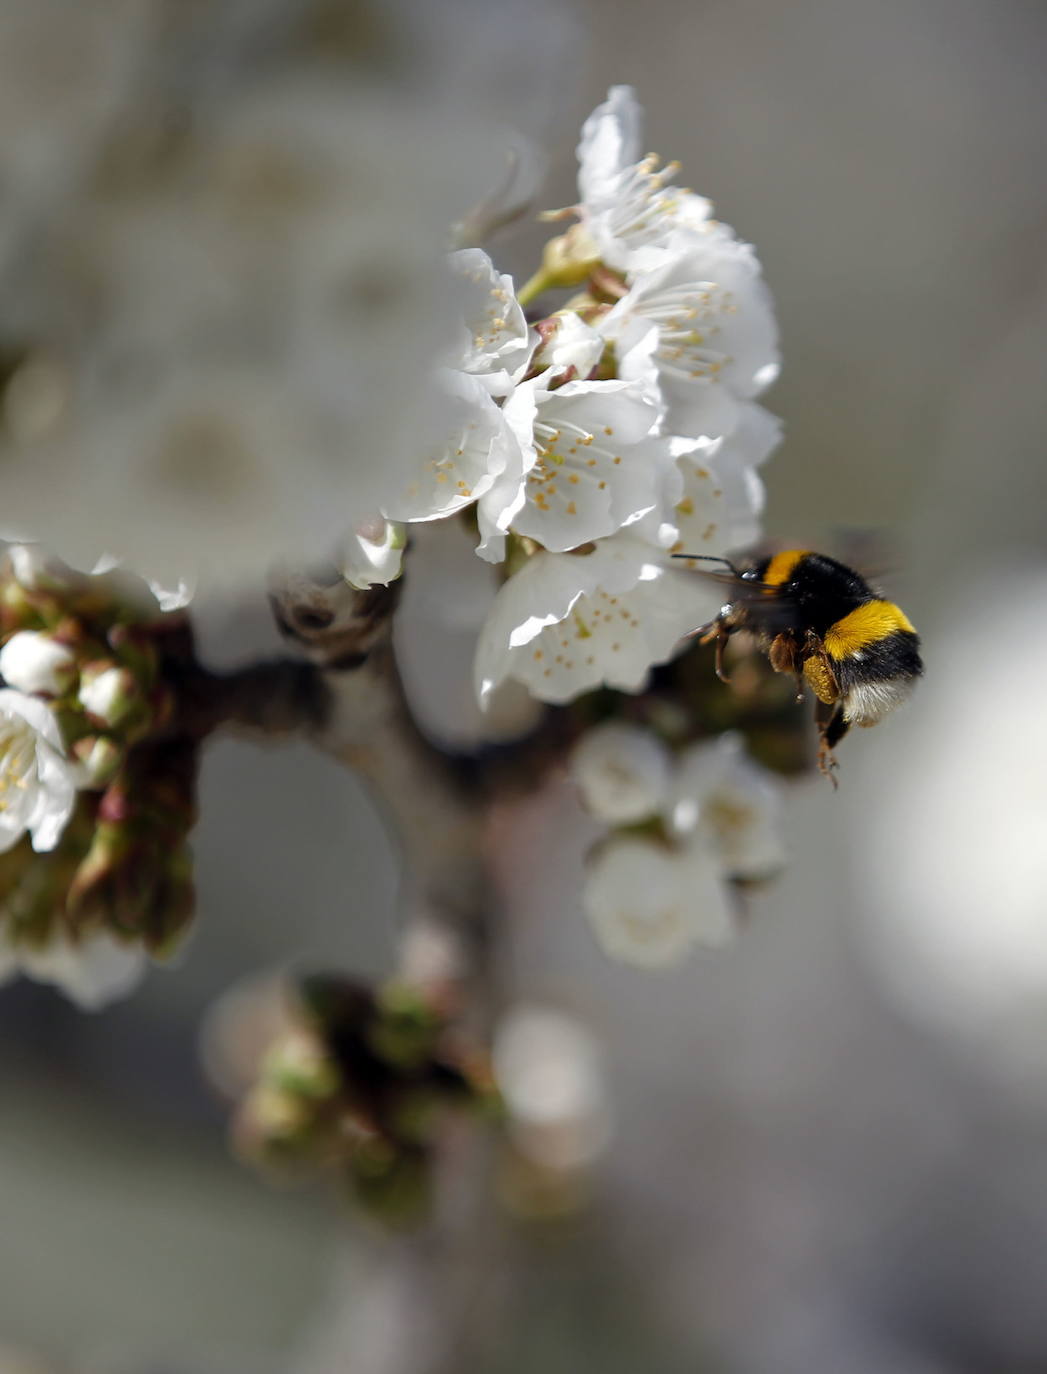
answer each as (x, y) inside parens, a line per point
(112, 696)
(567, 260)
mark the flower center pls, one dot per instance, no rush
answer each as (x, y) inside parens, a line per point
(17, 760)
(687, 318)
(567, 453)
(640, 204)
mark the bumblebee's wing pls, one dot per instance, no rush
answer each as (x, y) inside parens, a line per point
(764, 608)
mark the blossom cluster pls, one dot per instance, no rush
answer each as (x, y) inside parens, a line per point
(594, 453)
(360, 1081)
(585, 447)
(94, 806)
(616, 432)
(682, 830)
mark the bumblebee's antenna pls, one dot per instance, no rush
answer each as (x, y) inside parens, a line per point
(708, 558)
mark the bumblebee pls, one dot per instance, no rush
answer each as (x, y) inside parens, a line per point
(822, 622)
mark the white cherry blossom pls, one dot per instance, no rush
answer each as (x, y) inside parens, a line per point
(550, 1071)
(596, 469)
(626, 206)
(37, 781)
(718, 792)
(477, 445)
(721, 497)
(91, 972)
(622, 772)
(651, 905)
(32, 661)
(717, 341)
(716, 497)
(496, 342)
(565, 624)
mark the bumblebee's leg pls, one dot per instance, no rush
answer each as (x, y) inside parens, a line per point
(814, 648)
(720, 631)
(722, 639)
(831, 729)
(785, 657)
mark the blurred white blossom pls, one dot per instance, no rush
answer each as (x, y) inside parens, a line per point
(92, 971)
(710, 815)
(622, 772)
(651, 904)
(232, 281)
(550, 1072)
(721, 794)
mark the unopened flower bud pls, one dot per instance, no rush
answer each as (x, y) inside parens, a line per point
(273, 1126)
(374, 553)
(567, 260)
(32, 661)
(568, 345)
(136, 877)
(109, 694)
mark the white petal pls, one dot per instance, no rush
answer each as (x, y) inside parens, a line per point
(717, 341)
(174, 598)
(92, 973)
(610, 142)
(500, 505)
(498, 342)
(34, 712)
(373, 553)
(473, 449)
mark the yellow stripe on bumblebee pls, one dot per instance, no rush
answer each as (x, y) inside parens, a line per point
(865, 625)
(782, 566)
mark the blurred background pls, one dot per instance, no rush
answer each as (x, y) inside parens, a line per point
(829, 1143)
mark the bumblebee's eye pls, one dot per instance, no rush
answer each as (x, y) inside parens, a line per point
(749, 575)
